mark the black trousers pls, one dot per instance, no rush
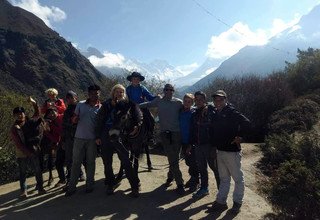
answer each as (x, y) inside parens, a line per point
(107, 151)
(60, 159)
(191, 162)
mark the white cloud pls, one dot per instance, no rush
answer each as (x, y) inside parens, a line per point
(186, 69)
(109, 60)
(208, 71)
(279, 25)
(232, 40)
(46, 13)
(240, 35)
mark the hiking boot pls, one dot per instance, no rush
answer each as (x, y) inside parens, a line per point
(168, 182)
(191, 182)
(180, 190)
(202, 192)
(89, 190)
(236, 208)
(24, 195)
(110, 190)
(69, 193)
(41, 191)
(82, 178)
(217, 207)
(193, 188)
(135, 193)
(60, 183)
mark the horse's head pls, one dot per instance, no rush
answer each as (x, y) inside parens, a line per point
(33, 132)
(121, 121)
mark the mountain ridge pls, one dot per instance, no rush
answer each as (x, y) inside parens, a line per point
(33, 57)
(264, 60)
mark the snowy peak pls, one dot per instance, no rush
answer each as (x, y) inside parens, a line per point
(159, 69)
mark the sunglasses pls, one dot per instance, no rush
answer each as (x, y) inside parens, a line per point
(172, 90)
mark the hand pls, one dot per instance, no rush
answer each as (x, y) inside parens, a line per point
(135, 130)
(46, 126)
(213, 153)
(98, 141)
(75, 119)
(188, 150)
(31, 100)
(204, 111)
(237, 140)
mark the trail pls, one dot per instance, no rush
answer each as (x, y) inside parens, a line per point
(155, 201)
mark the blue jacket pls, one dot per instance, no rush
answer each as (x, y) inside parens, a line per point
(138, 94)
(185, 121)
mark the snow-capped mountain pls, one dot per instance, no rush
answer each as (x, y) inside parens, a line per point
(116, 64)
(263, 60)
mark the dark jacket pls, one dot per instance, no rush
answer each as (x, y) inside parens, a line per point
(201, 125)
(69, 128)
(104, 118)
(226, 125)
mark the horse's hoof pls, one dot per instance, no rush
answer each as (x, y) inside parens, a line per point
(50, 181)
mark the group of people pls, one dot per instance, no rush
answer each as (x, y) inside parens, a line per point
(202, 133)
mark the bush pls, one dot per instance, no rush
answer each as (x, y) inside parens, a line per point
(278, 148)
(9, 167)
(299, 116)
(294, 167)
(295, 191)
(304, 75)
(256, 97)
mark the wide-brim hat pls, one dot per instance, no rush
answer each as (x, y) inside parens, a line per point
(135, 74)
(220, 93)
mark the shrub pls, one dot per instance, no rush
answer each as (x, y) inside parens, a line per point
(257, 97)
(304, 75)
(299, 116)
(278, 148)
(9, 167)
(295, 191)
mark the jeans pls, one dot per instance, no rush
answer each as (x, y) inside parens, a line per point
(172, 147)
(205, 155)
(83, 148)
(35, 164)
(68, 147)
(229, 165)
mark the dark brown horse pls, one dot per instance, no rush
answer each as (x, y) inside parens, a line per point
(134, 143)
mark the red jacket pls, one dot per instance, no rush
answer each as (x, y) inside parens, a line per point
(59, 104)
(54, 135)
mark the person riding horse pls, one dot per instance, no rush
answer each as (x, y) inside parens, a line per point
(106, 129)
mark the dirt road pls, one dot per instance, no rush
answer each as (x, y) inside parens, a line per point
(155, 201)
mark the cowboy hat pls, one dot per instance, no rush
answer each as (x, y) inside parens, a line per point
(135, 74)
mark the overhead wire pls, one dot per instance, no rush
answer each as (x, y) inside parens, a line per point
(229, 26)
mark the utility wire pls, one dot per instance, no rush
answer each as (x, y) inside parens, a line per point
(228, 25)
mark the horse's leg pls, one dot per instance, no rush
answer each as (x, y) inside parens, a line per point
(120, 173)
(135, 160)
(146, 147)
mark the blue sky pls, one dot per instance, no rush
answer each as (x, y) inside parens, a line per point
(179, 31)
